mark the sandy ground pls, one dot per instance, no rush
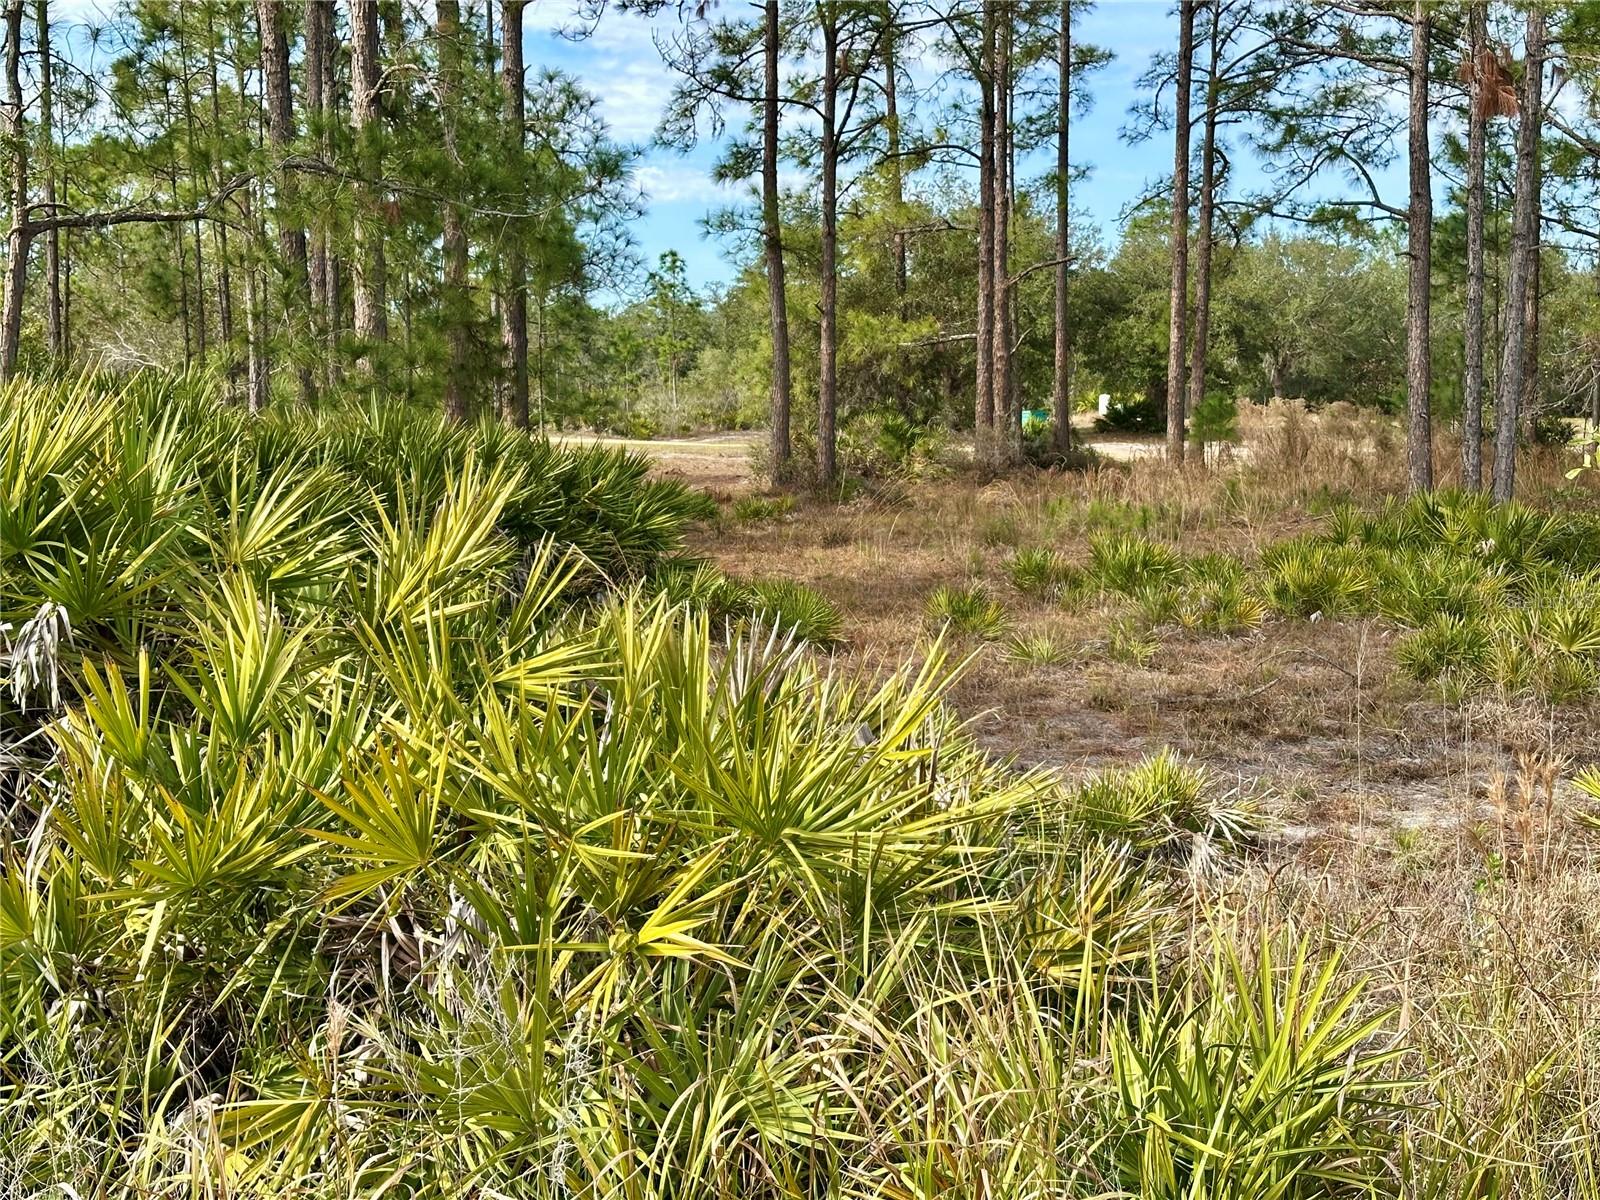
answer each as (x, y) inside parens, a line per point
(721, 462)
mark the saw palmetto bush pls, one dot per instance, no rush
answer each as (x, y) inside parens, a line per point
(1497, 598)
(374, 825)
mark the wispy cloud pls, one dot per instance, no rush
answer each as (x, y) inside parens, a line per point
(682, 183)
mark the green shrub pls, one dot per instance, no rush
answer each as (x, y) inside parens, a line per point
(1041, 572)
(1163, 804)
(753, 509)
(1214, 420)
(1036, 650)
(795, 608)
(1307, 579)
(966, 610)
(1131, 641)
(1145, 414)
(1446, 644)
(1127, 564)
(1261, 1082)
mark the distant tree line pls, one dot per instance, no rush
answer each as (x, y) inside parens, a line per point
(382, 196)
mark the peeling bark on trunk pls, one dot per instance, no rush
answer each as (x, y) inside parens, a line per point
(514, 306)
(1061, 380)
(19, 239)
(897, 196)
(828, 364)
(1007, 418)
(52, 243)
(319, 102)
(296, 298)
(456, 302)
(983, 417)
(1203, 243)
(370, 269)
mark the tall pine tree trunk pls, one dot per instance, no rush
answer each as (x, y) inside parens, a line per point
(19, 238)
(1008, 422)
(1179, 297)
(296, 294)
(514, 305)
(1524, 247)
(1419, 250)
(1061, 380)
(47, 165)
(257, 372)
(319, 102)
(772, 238)
(985, 402)
(224, 277)
(1477, 137)
(828, 348)
(370, 268)
(897, 195)
(456, 302)
(1528, 410)
(1203, 239)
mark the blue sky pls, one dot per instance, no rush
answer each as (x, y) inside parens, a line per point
(621, 64)
(619, 61)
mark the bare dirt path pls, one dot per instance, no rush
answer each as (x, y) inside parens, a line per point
(725, 462)
(717, 462)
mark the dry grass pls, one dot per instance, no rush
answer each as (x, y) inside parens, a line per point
(1301, 708)
(1435, 842)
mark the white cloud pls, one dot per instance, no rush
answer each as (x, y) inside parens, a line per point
(678, 183)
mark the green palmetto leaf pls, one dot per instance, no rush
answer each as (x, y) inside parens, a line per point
(391, 813)
(249, 669)
(1264, 1086)
(285, 530)
(234, 846)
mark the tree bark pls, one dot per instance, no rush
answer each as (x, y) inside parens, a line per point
(1203, 242)
(257, 381)
(225, 326)
(985, 402)
(1179, 298)
(514, 305)
(1477, 137)
(897, 192)
(370, 268)
(1061, 380)
(319, 102)
(270, 17)
(1524, 246)
(19, 239)
(1419, 249)
(52, 244)
(1008, 420)
(456, 302)
(828, 350)
(772, 237)
(1528, 411)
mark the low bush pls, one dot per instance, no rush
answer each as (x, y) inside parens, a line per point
(1041, 572)
(794, 609)
(967, 610)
